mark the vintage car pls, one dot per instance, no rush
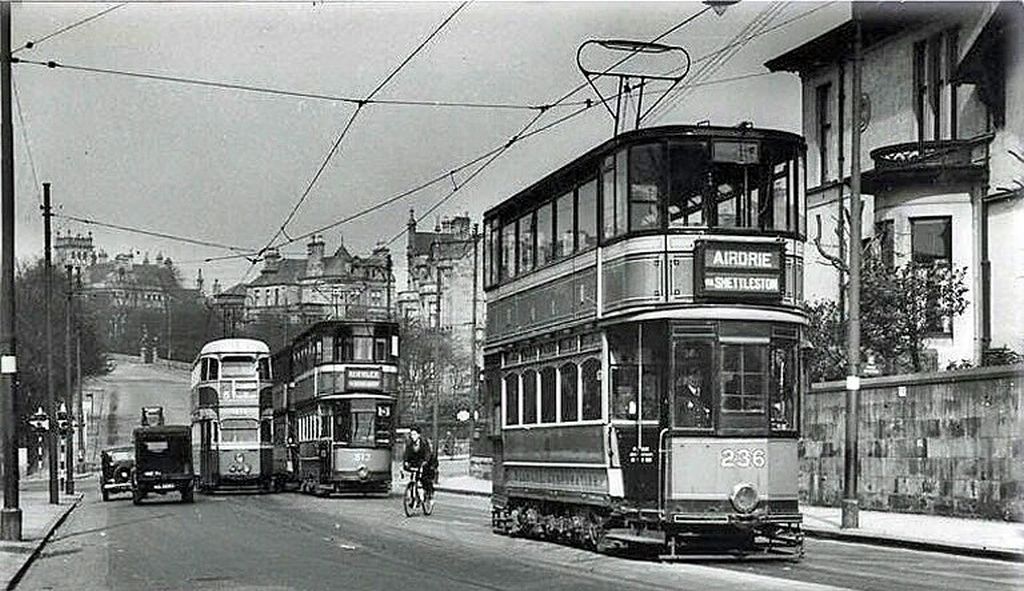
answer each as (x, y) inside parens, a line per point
(163, 462)
(116, 470)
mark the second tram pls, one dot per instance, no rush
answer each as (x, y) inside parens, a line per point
(230, 401)
(333, 406)
(643, 349)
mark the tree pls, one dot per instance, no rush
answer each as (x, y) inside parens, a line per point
(900, 307)
(424, 351)
(30, 327)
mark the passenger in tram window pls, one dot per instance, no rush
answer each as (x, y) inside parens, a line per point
(693, 404)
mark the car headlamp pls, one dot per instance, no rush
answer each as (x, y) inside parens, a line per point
(744, 497)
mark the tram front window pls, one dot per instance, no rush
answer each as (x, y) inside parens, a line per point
(239, 431)
(782, 390)
(743, 378)
(355, 426)
(237, 366)
(692, 394)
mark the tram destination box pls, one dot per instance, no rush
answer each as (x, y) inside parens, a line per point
(739, 271)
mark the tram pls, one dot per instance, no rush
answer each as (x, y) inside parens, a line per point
(231, 428)
(643, 345)
(334, 399)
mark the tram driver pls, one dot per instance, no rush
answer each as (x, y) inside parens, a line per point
(693, 407)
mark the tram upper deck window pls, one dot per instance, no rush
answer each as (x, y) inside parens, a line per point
(609, 230)
(526, 243)
(688, 182)
(545, 234)
(237, 366)
(754, 186)
(586, 215)
(565, 239)
(264, 368)
(209, 369)
(646, 172)
(508, 251)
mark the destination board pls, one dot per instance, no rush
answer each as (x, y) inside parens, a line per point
(739, 270)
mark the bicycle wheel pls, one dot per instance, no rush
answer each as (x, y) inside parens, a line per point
(428, 503)
(409, 499)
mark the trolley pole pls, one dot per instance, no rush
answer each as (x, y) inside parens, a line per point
(51, 405)
(69, 448)
(10, 516)
(850, 508)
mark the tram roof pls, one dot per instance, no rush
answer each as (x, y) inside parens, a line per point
(221, 346)
(581, 169)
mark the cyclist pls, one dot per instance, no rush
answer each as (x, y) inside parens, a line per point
(420, 454)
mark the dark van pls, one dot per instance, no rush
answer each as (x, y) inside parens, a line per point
(163, 462)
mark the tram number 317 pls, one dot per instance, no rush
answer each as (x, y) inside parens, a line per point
(743, 458)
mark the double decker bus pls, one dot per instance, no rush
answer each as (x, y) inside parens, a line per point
(643, 344)
(333, 404)
(231, 424)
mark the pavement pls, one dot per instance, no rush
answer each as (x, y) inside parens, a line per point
(39, 521)
(967, 537)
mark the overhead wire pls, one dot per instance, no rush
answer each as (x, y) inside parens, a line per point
(24, 136)
(53, 64)
(32, 43)
(154, 233)
(721, 56)
(341, 137)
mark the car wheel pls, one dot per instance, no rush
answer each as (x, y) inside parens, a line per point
(136, 498)
(187, 495)
(105, 495)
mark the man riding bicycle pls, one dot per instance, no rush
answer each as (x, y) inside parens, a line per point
(419, 455)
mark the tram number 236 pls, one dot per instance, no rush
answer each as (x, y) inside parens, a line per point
(743, 458)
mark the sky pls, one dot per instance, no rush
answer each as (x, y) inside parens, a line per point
(228, 166)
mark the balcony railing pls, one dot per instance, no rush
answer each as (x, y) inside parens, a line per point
(942, 154)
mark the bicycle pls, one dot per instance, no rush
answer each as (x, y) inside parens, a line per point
(415, 496)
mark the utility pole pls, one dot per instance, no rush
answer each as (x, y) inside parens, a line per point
(850, 508)
(51, 404)
(10, 516)
(69, 447)
(472, 337)
(79, 410)
(437, 355)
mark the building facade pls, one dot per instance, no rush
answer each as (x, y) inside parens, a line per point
(444, 292)
(942, 154)
(300, 291)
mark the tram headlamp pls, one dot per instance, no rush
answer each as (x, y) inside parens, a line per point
(240, 458)
(363, 473)
(744, 497)
(233, 468)
(248, 468)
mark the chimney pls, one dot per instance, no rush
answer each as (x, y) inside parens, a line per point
(315, 247)
(272, 261)
(216, 286)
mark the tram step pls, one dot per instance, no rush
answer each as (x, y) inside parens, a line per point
(630, 536)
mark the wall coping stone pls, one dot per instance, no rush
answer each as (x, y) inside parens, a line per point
(916, 379)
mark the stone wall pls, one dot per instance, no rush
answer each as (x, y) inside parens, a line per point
(948, 443)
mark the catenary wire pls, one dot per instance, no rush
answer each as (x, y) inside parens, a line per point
(53, 64)
(24, 136)
(344, 132)
(32, 43)
(153, 233)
